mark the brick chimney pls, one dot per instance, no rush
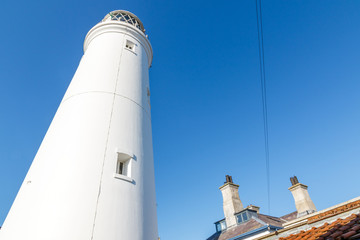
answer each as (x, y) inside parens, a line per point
(303, 202)
(231, 201)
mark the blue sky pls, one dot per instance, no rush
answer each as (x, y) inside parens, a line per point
(206, 98)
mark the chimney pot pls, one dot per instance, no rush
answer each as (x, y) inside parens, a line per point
(228, 179)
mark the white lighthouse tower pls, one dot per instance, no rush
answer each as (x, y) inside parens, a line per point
(93, 175)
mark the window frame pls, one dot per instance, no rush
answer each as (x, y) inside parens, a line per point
(123, 170)
(240, 218)
(220, 226)
(130, 46)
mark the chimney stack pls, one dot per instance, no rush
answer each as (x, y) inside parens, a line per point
(231, 201)
(303, 202)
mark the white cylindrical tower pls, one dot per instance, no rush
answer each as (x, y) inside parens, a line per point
(93, 175)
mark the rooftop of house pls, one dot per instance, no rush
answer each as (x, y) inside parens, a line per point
(250, 222)
(327, 221)
(348, 228)
(341, 221)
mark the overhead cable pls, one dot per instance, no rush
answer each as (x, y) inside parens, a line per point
(263, 94)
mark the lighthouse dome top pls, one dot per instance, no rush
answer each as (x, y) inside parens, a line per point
(126, 17)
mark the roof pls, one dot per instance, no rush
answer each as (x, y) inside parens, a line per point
(341, 221)
(290, 216)
(250, 225)
(254, 225)
(348, 228)
(271, 220)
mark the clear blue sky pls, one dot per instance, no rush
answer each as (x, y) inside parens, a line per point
(206, 99)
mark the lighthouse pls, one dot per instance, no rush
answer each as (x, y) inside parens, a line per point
(93, 175)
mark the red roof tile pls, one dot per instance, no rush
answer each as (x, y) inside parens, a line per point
(348, 228)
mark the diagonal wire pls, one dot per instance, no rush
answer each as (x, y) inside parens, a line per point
(263, 94)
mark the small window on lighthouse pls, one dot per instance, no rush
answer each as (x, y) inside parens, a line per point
(123, 165)
(121, 168)
(130, 45)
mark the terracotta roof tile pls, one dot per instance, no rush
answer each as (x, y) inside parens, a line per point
(348, 234)
(357, 236)
(343, 228)
(336, 234)
(348, 228)
(356, 227)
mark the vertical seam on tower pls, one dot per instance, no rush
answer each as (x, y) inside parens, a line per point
(106, 144)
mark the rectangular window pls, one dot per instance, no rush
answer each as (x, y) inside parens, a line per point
(239, 218)
(120, 169)
(223, 225)
(220, 226)
(123, 166)
(242, 217)
(130, 45)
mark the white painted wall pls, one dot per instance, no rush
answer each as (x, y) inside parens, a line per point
(70, 191)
